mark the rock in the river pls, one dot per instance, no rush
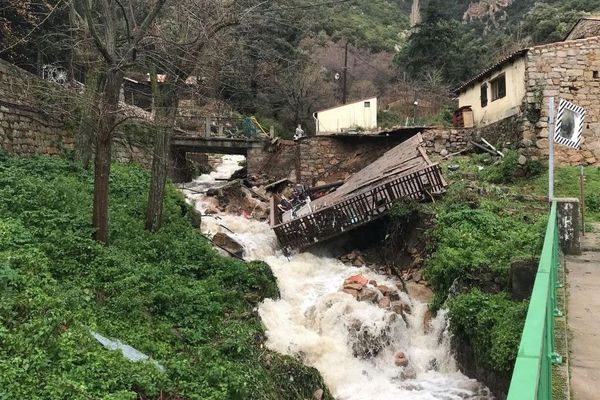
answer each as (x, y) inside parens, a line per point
(353, 286)
(385, 290)
(408, 373)
(318, 394)
(417, 276)
(368, 295)
(366, 342)
(419, 292)
(385, 303)
(358, 261)
(358, 278)
(351, 292)
(211, 210)
(226, 242)
(400, 307)
(196, 218)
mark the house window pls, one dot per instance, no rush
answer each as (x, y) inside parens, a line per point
(498, 87)
(484, 97)
(367, 104)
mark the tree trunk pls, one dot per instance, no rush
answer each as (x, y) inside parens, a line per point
(166, 101)
(108, 116)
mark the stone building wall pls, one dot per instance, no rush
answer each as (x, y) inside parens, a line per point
(330, 159)
(37, 117)
(569, 70)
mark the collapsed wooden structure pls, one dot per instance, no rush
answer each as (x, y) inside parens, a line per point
(404, 172)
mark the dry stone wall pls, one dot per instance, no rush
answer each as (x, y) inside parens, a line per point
(37, 117)
(569, 70)
(330, 159)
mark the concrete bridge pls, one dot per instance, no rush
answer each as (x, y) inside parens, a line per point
(182, 144)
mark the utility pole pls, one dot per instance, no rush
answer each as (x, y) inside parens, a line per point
(345, 78)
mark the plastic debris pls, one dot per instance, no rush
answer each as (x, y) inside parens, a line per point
(128, 352)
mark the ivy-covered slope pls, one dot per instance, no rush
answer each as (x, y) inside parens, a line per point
(168, 295)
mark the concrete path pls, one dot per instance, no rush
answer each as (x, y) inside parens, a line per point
(583, 317)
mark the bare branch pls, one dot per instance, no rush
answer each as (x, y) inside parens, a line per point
(97, 41)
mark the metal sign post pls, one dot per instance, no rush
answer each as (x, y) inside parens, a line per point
(551, 126)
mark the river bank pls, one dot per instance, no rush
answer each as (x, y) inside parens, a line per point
(317, 323)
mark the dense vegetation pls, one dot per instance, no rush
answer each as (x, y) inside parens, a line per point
(167, 294)
(493, 215)
(480, 230)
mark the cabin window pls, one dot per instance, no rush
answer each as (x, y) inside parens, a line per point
(367, 104)
(498, 87)
(484, 95)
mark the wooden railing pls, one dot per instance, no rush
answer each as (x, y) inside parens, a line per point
(358, 209)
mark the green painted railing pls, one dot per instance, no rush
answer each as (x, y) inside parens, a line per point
(532, 375)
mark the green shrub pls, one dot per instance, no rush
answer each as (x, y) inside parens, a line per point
(467, 239)
(491, 324)
(503, 172)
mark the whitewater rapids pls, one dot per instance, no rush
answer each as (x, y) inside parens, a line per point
(313, 320)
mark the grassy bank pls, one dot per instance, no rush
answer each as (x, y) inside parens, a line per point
(486, 221)
(493, 215)
(168, 295)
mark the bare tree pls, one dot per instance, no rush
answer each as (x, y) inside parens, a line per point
(188, 27)
(116, 35)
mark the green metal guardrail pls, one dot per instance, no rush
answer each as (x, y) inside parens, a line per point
(532, 375)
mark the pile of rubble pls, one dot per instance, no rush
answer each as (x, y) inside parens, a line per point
(386, 297)
(235, 198)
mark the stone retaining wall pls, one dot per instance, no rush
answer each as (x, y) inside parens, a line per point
(39, 117)
(329, 159)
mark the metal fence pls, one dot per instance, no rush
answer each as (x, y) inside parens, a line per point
(532, 375)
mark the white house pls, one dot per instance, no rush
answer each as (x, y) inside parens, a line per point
(497, 92)
(360, 115)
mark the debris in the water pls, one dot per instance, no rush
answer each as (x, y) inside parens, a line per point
(400, 359)
(128, 352)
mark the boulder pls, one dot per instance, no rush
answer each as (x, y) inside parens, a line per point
(353, 286)
(417, 276)
(420, 292)
(358, 278)
(196, 218)
(385, 303)
(400, 307)
(385, 290)
(211, 210)
(368, 295)
(358, 261)
(318, 394)
(367, 343)
(227, 243)
(408, 373)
